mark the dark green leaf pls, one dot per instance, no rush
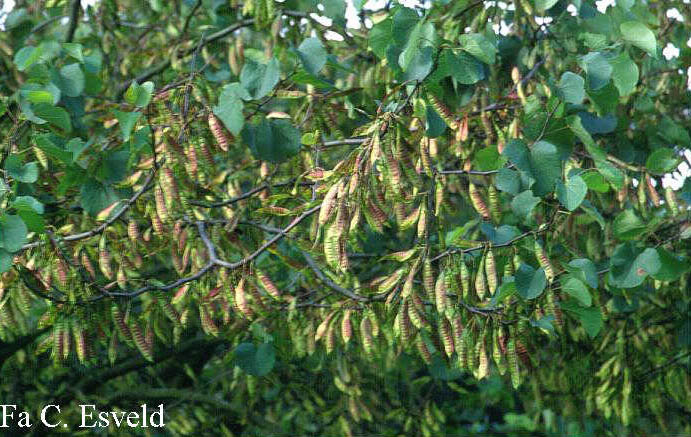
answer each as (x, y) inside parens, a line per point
(530, 283)
(259, 79)
(27, 173)
(576, 289)
(54, 115)
(629, 266)
(662, 161)
(312, 54)
(546, 167)
(272, 140)
(627, 225)
(127, 121)
(638, 34)
(598, 70)
(13, 232)
(572, 88)
(523, 205)
(572, 193)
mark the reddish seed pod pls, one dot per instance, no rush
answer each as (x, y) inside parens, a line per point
(219, 134)
(133, 231)
(445, 332)
(347, 327)
(478, 202)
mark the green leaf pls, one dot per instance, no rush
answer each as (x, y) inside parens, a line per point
(230, 106)
(624, 74)
(488, 158)
(335, 9)
(312, 54)
(95, 197)
(583, 269)
(611, 173)
(71, 80)
(591, 317)
(629, 266)
(672, 266)
(628, 226)
(595, 181)
(30, 210)
(546, 167)
(380, 37)
(27, 173)
(5, 260)
(463, 67)
(127, 121)
(13, 232)
(523, 205)
(434, 125)
(662, 161)
(477, 45)
(530, 283)
(259, 79)
(506, 289)
(27, 56)
(572, 193)
(598, 70)
(257, 361)
(54, 115)
(636, 33)
(577, 289)
(507, 180)
(44, 143)
(571, 88)
(75, 50)
(139, 95)
(272, 140)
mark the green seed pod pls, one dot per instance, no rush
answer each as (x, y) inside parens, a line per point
(491, 271)
(494, 206)
(465, 280)
(512, 361)
(423, 350)
(481, 281)
(445, 333)
(478, 202)
(440, 297)
(428, 277)
(544, 261)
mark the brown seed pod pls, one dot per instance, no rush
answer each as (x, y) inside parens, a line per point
(445, 332)
(207, 322)
(120, 325)
(218, 132)
(140, 341)
(133, 231)
(423, 350)
(404, 323)
(241, 300)
(161, 209)
(328, 204)
(443, 111)
(79, 341)
(347, 326)
(478, 202)
(652, 192)
(268, 285)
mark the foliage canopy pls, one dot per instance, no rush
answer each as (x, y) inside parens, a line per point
(421, 226)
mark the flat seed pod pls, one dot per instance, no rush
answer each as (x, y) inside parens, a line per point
(443, 111)
(544, 261)
(652, 192)
(478, 202)
(423, 350)
(428, 277)
(446, 335)
(491, 271)
(218, 132)
(347, 326)
(268, 285)
(512, 361)
(241, 300)
(366, 335)
(440, 298)
(404, 323)
(465, 279)
(494, 206)
(481, 281)
(79, 341)
(140, 341)
(323, 326)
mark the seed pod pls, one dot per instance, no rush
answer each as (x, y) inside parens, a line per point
(58, 341)
(104, 260)
(367, 337)
(438, 197)
(554, 308)
(465, 279)
(428, 277)
(497, 354)
(79, 341)
(323, 326)
(41, 157)
(642, 198)
(491, 271)
(481, 281)
(470, 354)
(424, 156)
(512, 361)
(477, 202)
(241, 300)
(170, 187)
(445, 332)
(121, 278)
(219, 134)
(161, 209)
(268, 285)
(61, 269)
(120, 325)
(133, 231)
(416, 313)
(404, 323)
(140, 341)
(671, 201)
(328, 204)
(65, 330)
(347, 326)
(207, 322)
(544, 261)
(170, 312)
(423, 350)
(440, 297)
(192, 163)
(652, 192)
(422, 222)
(482, 359)
(494, 207)
(443, 111)
(332, 248)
